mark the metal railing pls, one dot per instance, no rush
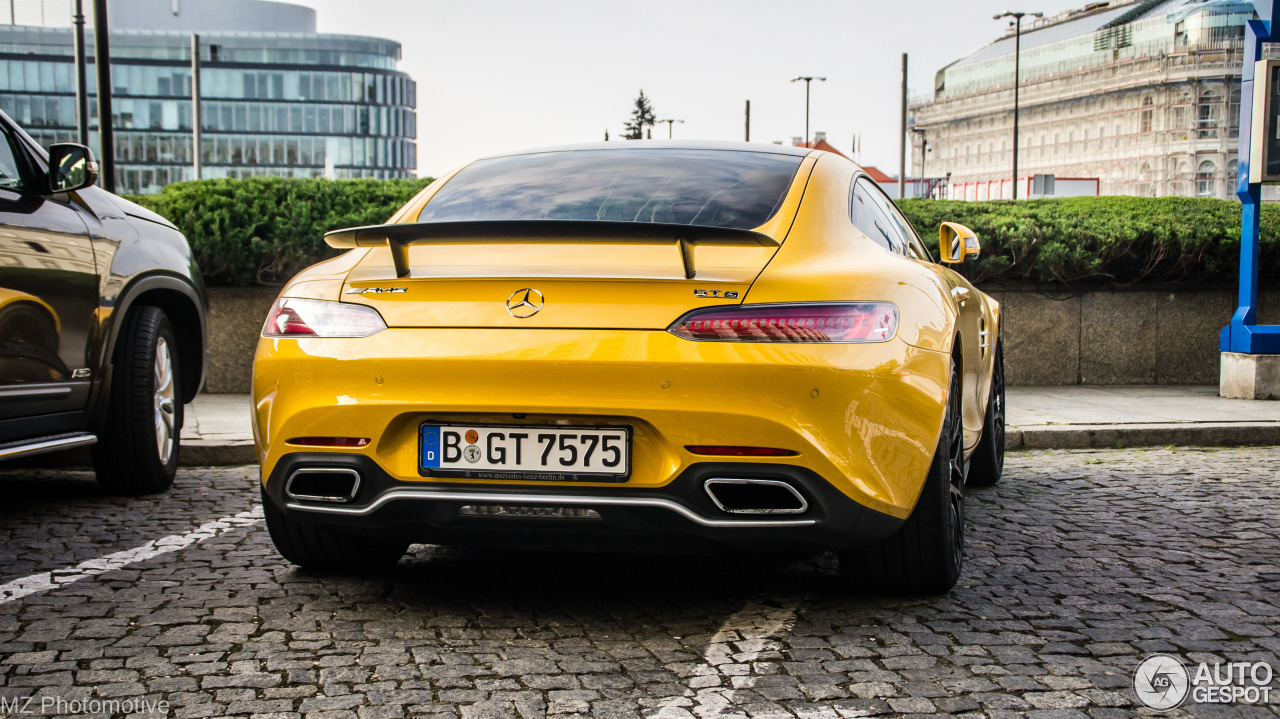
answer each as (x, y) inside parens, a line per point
(39, 13)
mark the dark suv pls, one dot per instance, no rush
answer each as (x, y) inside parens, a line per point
(102, 318)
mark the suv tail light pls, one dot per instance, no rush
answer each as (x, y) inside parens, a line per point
(846, 322)
(294, 317)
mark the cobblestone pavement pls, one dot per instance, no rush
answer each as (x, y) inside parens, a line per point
(1079, 564)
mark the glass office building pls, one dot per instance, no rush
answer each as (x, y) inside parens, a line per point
(277, 98)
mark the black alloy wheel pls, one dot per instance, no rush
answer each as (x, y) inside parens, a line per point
(987, 466)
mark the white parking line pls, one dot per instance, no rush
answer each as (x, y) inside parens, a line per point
(751, 631)
(44, 581)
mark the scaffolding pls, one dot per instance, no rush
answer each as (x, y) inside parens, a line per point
(1148, 120)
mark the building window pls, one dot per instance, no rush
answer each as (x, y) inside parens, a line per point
(1181, 122)
(1233, 115)
(1210, 115)
(1148, 114)
(1145, 186)
(1205, 184)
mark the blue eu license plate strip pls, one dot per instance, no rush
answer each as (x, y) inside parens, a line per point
(430, 458)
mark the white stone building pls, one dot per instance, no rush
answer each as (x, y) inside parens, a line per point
(1143, 95)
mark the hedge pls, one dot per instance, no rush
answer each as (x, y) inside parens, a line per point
(262, 230)
(1109, 241)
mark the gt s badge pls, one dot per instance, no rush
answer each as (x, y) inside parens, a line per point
(377, 290)
(728, 295)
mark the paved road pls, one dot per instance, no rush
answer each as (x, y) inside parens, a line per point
(1078, 566)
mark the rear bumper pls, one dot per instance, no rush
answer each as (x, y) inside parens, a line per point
(863, 417)
(679, 517)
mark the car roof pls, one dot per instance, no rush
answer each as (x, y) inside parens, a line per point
(641, 145)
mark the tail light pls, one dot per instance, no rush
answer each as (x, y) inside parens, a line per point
(848, 322)
(294, 317)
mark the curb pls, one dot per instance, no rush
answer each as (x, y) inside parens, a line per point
(1112, 436)
(213, 453)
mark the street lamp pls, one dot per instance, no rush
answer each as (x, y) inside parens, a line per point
(1017, 72)
(924, 153)
(670, 124)
(807, 80)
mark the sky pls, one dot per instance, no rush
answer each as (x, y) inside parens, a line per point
(501, 75)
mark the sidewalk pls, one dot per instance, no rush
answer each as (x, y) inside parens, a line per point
(216, 431)
(1076, 417)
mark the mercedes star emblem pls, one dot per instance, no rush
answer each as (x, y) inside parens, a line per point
(524, 303)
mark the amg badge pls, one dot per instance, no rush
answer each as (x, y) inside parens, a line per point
(377, 290)
(728, 295)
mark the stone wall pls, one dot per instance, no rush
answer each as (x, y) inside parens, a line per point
(1125, 337)
(235, 320)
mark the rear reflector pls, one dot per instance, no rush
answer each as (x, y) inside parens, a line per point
(330, 441)
(851, 322)
(726, 451)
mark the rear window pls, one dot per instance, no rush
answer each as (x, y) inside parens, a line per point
(708, 188)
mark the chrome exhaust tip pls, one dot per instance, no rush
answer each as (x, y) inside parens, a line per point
(755, 496)
(332, 485)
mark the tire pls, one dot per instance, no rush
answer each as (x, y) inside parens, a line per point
(137, 450)
(987, 464)
(317, 547)
(926, 554)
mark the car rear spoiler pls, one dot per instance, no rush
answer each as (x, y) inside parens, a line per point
(400, 236)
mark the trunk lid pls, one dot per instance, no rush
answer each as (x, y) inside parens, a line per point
(582, 284)
(624, 239)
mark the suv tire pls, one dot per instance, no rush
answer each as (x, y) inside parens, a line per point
(137, 450)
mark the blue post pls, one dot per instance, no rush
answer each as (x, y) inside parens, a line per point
(1244, 334)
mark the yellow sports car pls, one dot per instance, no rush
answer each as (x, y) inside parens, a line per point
(643, 345)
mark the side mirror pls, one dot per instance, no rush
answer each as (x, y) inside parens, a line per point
(956, 242)
(71, 167)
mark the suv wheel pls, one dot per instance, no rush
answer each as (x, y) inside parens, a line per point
(137, 451)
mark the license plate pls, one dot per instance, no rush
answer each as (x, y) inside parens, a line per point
(528, 453)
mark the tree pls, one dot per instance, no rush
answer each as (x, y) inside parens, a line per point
(642, 116)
